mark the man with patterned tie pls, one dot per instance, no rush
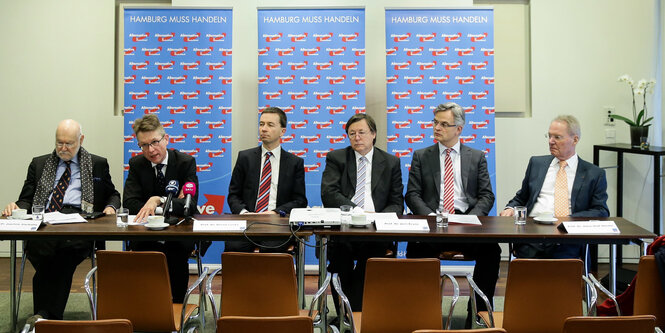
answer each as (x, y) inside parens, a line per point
(364, 176)
(561, 183)
(144, 194)
(69, 180)
(266, 180)
(453, 177)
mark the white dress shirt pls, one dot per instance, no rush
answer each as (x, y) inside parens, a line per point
(545, 202)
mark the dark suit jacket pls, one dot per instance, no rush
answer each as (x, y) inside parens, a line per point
(338, 182)
(588, 197)
(141, 183)
(422, 192)
(105, 193)
(244, 186)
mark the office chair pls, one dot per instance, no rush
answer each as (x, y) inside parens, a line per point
(285, 324)
(632, 324)
(84, 326)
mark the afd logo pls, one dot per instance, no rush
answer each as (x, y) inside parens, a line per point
(465, 52)
(139, 94)
(398, 66)
(129, 109)
(202, 79)
(130, 51)
(402, 124)
(299, 124)
(488, 80)
(349, 37)
(426, 65)
(190, 66)
(270, 95)
(139, 65)
(323, 37)
(202, 138)
(216, 66)
(402, 152)
(225, 138)
(295, 66)
(135, 152)
(285, 52)
(426, 37)
(310, 109)
(427, 94)
(414, 52)
(321, 153)
(476, 66)
(393, 138)
(150, 79)
(401, 94)
(479, 94)
(392, 108)
(336, 79)
(487, 52)
(323, 124)
(225, 80)
(151, 51)
(177, 52)
(298, 37)
(129, 138)
(323, 94)
(334, 139)
(469, 109)
(190, 124)
(489, 139)
(225, 109)
(309, 139)
(440, 79)
(452, 94)
(467, 138)
(287, 138)
(358, 52)
(349, 95)
(285, 79)
(177, 109)
(204, 167)
(312, 167)
(190, 37)
(465, 79)
(187, 95)
(202, 109)
(425, 124)
(414, 79)
(440, 51)
(139, 37)
(215, 95)
(191, 152)
(177, 79)
(216, 153)
(299, 153)
(415, 109)
(334, 52)
(400, 37)
(216, 37)
(347, 66)
(177, 138)
(298, 95)
(130, 79)
(264, 51)
(203, 52)
(392, 79)
(488, 109)
(225, 52)
(162, 66)
(451, 65)
(323, 65)
(358, 80)
(479, 124)
(271, 66)
(264, 79)
(310, 51)
(336, 109)
(164, 94)
(392, 51)
(358, 109)
(414, 139)
(288, 109)
(452, 38)
(151, 109)
(477, 37)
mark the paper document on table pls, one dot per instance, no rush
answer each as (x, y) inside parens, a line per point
(315, 215)
(465, 219)
(373, 217)
(219, 225)
(60, 218)
(131, 219)
(19, 225)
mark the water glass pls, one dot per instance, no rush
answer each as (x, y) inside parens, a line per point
(520, 215)
(345, 213)
(38, 212)
(122, 217)
(441, 218)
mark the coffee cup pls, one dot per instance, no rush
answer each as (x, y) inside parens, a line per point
(359, 219)
(546, 216)
(155, 220)
(20, 213)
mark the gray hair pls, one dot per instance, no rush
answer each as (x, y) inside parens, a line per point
(458, 112)
(572, 123)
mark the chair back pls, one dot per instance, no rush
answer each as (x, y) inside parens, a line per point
(649, 298)
(84, 326)
(135, 286)
(477, 330)
(258, 285)
(401, 295)
(542, 293)
(632, 324)
(287, 324)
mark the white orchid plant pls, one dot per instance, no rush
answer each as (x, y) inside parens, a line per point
(640, 89)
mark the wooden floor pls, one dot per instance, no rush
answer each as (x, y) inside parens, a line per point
(310, 281)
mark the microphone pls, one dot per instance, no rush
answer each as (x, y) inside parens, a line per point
(171, 190)
(189, 189)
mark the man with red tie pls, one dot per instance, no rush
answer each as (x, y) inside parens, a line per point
(560, 183)
(266, 180)
(453, 177)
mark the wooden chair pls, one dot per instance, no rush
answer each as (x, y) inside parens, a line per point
(286, 324)
(477, 330)
(632, 324)
(261, 285)
(540, 295)
(135, 286)
(84, 326)
(649, 298)
(401, 295)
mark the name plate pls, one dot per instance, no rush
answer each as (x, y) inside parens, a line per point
(19, 225)
(590, 227)
(401, 225)
(220, 225)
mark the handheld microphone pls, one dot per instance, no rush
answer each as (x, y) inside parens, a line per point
(171, 189)
(189, 189)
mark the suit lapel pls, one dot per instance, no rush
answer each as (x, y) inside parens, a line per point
(255, 166)
(171, 168)
(539, 177)
(352, 169)
(432, 159)
(465, 156)
(378, 165)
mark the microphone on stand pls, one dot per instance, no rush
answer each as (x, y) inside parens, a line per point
(171, 190)
(189, 189)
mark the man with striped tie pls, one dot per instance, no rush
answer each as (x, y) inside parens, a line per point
(266, 180)
(364, 176)
(560, 183)
(68, 180)
(449, 176)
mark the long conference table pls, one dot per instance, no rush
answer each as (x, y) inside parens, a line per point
(493, 229)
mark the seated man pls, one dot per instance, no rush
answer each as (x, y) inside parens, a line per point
(69, 180)
(453, 177)
(144, 194)
(560, 183)
(364, 176)
(266, 180)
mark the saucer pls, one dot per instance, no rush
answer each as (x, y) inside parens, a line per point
(360, 225)
(157, 226)
(27, 217)
(545, 220)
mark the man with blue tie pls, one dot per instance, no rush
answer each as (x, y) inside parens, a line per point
(69, 180)
(560, 183)
(364, 176)
(266, 180)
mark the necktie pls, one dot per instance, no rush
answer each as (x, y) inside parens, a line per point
(59, 191)
(448, 184)
(359, 197)
(161, 180)
(264, 185)
(561, 191)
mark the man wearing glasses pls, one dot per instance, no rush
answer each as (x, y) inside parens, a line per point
(452, 177)
(363, 176)
(144, 194)
(560, 184)
(68, 180)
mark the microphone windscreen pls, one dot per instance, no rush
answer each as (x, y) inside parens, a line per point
(189, 188)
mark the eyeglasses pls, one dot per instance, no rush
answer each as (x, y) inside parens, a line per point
(153, 144)
(64, 144)
(359, 133)
(442, 123)
(555, 137)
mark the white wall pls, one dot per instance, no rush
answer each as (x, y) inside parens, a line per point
(57, 61)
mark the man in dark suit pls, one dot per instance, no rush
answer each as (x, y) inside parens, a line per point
(266, 180)
(452, 177)
(379, 190)
(560, 183)
(144, 194)
(69, 180)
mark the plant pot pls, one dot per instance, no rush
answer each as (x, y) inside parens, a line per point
(636, 135)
